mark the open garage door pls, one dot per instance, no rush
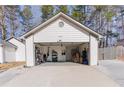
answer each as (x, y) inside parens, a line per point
(60, 52)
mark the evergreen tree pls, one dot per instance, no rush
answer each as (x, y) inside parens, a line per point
(47, 12)
(62, 8)
(102, 16)
(26, 15)
(78, 13)
(109, 15)
(98, 13)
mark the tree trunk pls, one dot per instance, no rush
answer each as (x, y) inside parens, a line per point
(107, 34)
(12, 28)
(3, 30)
(106, 40)
(122, 26)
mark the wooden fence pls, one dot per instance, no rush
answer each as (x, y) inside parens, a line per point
(109, 53)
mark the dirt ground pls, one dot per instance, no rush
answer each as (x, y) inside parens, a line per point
(6, 66)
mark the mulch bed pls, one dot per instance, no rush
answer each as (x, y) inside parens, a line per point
(6, 66)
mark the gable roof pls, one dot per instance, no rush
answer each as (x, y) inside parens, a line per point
(56, 17)
(15, 39)
(9, 44)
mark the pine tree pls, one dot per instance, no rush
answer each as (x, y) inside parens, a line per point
(62, 8)
(47, 12)
(109, 15)
(26, 15)
(78, 13)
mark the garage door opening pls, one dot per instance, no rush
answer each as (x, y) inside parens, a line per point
(61, 52)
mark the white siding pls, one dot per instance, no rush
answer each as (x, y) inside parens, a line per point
(93, 50)
(10, 54)
(20, 52)
(54, 33)
(1, 54)
(30, 51)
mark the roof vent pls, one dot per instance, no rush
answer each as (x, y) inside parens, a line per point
(61, 24)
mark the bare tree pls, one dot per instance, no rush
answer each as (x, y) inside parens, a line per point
(12, 13)
(26, 15)
(2, 23)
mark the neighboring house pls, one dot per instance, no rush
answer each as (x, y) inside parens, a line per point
(60, 36)
(20, 51)
(10, 52)
(7, 54)
(14, 51)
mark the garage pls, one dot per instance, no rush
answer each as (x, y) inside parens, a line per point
(60, 52)
(58, 39)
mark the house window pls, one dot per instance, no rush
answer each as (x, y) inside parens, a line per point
(61, 24)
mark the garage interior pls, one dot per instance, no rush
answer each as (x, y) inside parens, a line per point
(61, 52)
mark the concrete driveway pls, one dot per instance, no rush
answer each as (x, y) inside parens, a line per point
(56, 74)
(114, 69)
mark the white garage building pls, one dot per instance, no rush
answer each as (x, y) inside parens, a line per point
(60, 34)
(14, 51)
